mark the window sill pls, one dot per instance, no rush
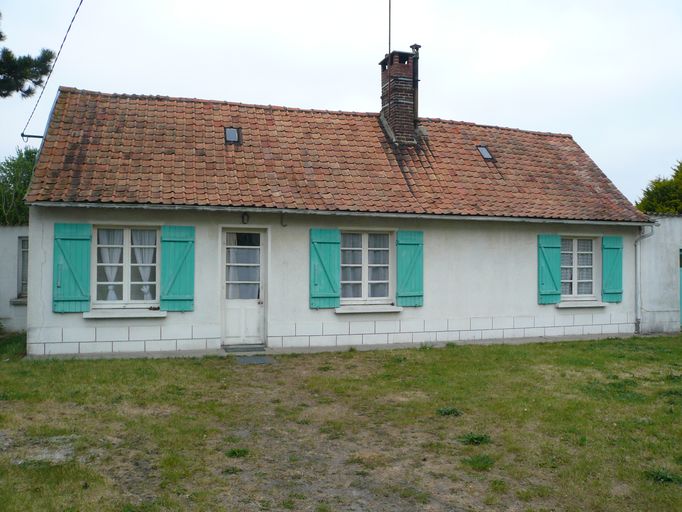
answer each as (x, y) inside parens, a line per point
(573, 304)
(125, 313)
(367, 308)
(20, 301)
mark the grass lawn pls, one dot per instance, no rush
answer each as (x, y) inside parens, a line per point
(564, 426)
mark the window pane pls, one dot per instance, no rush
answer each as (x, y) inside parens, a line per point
(109, 292)
(24, 244)
(585, 288)
(378, 290)
(110, 255)
(566, 288)
(351, 240)
(243, 273)
(378, 257)
(239, 255)
(567, 244)
(143, 274)
(24, 266)
(248, 239)
(350, 291)
(109, 274)
(351, 273)
(585, 273)
(110, 237)
(566, 274)
(143, 237)
(143, 292)
(566, 259)
(146, 255)
(378, 240)
(243, 291)
(351, 257)
(584, 259)
(378, 273)
(584, 245)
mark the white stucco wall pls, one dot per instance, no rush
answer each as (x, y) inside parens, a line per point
(12, 311)
(660, 275)
(480, 284)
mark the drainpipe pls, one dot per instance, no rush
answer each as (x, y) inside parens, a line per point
(638, 277)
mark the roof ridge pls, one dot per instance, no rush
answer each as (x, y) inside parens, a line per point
(300, 109)
(221, 102)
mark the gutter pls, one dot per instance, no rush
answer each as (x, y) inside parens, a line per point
(293, 211)
(638, 277)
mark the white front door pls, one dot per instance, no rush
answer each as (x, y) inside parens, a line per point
(243, 287)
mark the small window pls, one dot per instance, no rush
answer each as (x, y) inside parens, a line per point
(233, 135)
(577, 267)
(126, 265)
(485, 153)
(365, 267)
(23, 268)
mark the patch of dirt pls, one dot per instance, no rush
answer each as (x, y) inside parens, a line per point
(404, 397)
(53, 450)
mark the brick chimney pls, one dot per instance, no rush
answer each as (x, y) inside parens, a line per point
(399, 95)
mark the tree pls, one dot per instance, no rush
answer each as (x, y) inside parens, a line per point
(15, 177)
(663, 195)
(22, 74)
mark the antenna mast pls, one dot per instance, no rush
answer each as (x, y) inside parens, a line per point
(389, 26)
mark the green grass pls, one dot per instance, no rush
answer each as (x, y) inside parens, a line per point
(590, 425)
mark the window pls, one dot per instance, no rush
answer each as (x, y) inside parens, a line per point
(126, 265)
(22, 268)
(577, 267)
(233, 135)
(365, 267)
(242, 260)
(485, 153)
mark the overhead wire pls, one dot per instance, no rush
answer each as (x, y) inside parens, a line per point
(47, 80)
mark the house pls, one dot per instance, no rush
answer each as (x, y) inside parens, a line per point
(168, 224)
(661, 275)
(13, 277)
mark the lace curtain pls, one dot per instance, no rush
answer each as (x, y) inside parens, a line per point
(111, 256)
(145, 257)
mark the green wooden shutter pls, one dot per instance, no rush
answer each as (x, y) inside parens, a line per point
(612, 268)
(177, 268)
(410, 263)
(71, 268)
(549, 269)
(325, 268)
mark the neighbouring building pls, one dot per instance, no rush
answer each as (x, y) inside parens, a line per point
(169, 224)
(13, 277)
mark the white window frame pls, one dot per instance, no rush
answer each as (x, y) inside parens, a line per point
(21, 294)
(365, 299)
(596, 269)
(125, 302)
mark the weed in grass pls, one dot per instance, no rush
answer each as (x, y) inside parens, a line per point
(534, 491)
(237, 453)
(499, 486)
(352, 349)
(672, 396)
(398, 359)
(231, 470)
(663, 476)
(479, 462)
(620, 390)
(474, 439)
(408, 492)
(325, 368)
(425, 347)
(448, 411)
(323, 507)
(450, 344)
(673, 377)
(678, 459)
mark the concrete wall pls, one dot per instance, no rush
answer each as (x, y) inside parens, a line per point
(660, 275)
(12, 310)
(480, 284)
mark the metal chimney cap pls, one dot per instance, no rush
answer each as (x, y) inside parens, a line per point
(415, 47)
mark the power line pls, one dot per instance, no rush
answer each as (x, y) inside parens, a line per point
(50, 73)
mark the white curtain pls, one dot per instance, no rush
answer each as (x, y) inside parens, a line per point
(111, 255)
(145, 256)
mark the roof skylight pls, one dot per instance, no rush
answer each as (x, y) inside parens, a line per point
(485, 153)
(233, 135)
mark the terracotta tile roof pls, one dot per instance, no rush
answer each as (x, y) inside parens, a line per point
(111, 148)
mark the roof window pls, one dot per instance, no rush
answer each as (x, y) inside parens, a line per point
(485, 153)
(233, 135)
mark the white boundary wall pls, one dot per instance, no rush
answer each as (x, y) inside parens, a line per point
(660, 274)
(480, 283)
(12, 310)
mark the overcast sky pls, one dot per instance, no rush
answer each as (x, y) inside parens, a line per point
(609, 72)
